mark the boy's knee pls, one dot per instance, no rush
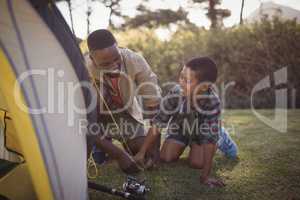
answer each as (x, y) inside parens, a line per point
(195, 164)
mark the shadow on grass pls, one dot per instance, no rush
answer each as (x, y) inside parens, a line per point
(226, 163)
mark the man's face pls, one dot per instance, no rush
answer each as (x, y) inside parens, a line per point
(107, 59)
(190, 83)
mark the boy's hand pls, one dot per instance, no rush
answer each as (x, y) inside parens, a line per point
(213, 183)
(146, 163)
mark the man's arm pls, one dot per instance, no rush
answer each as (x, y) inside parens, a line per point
(147, 83)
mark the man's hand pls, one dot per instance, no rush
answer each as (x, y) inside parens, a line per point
(127, 164)
(213, 183)
(125, 161)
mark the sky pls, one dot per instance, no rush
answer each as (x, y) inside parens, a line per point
(100, 14)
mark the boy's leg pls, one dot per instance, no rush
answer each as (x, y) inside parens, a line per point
(171, 150)
(226, 144)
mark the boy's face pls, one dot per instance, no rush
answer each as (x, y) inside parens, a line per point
(190, 83)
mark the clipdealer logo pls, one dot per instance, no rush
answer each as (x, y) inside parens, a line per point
(279, 122)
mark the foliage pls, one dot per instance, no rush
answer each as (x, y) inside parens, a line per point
(164, 17)
(214, 14)
(159, 17)
(114, 7)
(244, 54)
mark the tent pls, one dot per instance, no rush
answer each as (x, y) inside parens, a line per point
(43, 154)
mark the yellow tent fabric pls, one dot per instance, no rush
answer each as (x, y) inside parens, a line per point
(2, 118)
(53, 147)
(28, 143)
(17, 184)
(11, 139)
(9, 145)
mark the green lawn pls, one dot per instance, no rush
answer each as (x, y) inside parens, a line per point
(268, 166)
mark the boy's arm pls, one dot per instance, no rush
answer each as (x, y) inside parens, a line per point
(209, 151)
(152, 136)
(166, 110)
(211, 118)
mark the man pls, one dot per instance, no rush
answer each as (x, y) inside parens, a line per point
(121, 75)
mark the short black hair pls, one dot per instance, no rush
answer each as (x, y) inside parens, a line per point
(100, 39)
(204, 66)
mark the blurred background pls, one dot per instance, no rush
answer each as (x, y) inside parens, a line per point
(248, 39)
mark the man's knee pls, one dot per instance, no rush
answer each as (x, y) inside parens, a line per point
(167, 158)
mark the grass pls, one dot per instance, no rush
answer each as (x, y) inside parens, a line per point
(268, 166)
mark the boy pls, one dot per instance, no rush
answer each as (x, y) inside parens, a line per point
(192, 113)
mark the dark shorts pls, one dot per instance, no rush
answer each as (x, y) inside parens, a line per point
(129, 128)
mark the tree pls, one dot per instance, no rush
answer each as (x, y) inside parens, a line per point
(241, 14)
(214, 14)
(88, 15)
(114, 7)
(70, 13)
(153, 19)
